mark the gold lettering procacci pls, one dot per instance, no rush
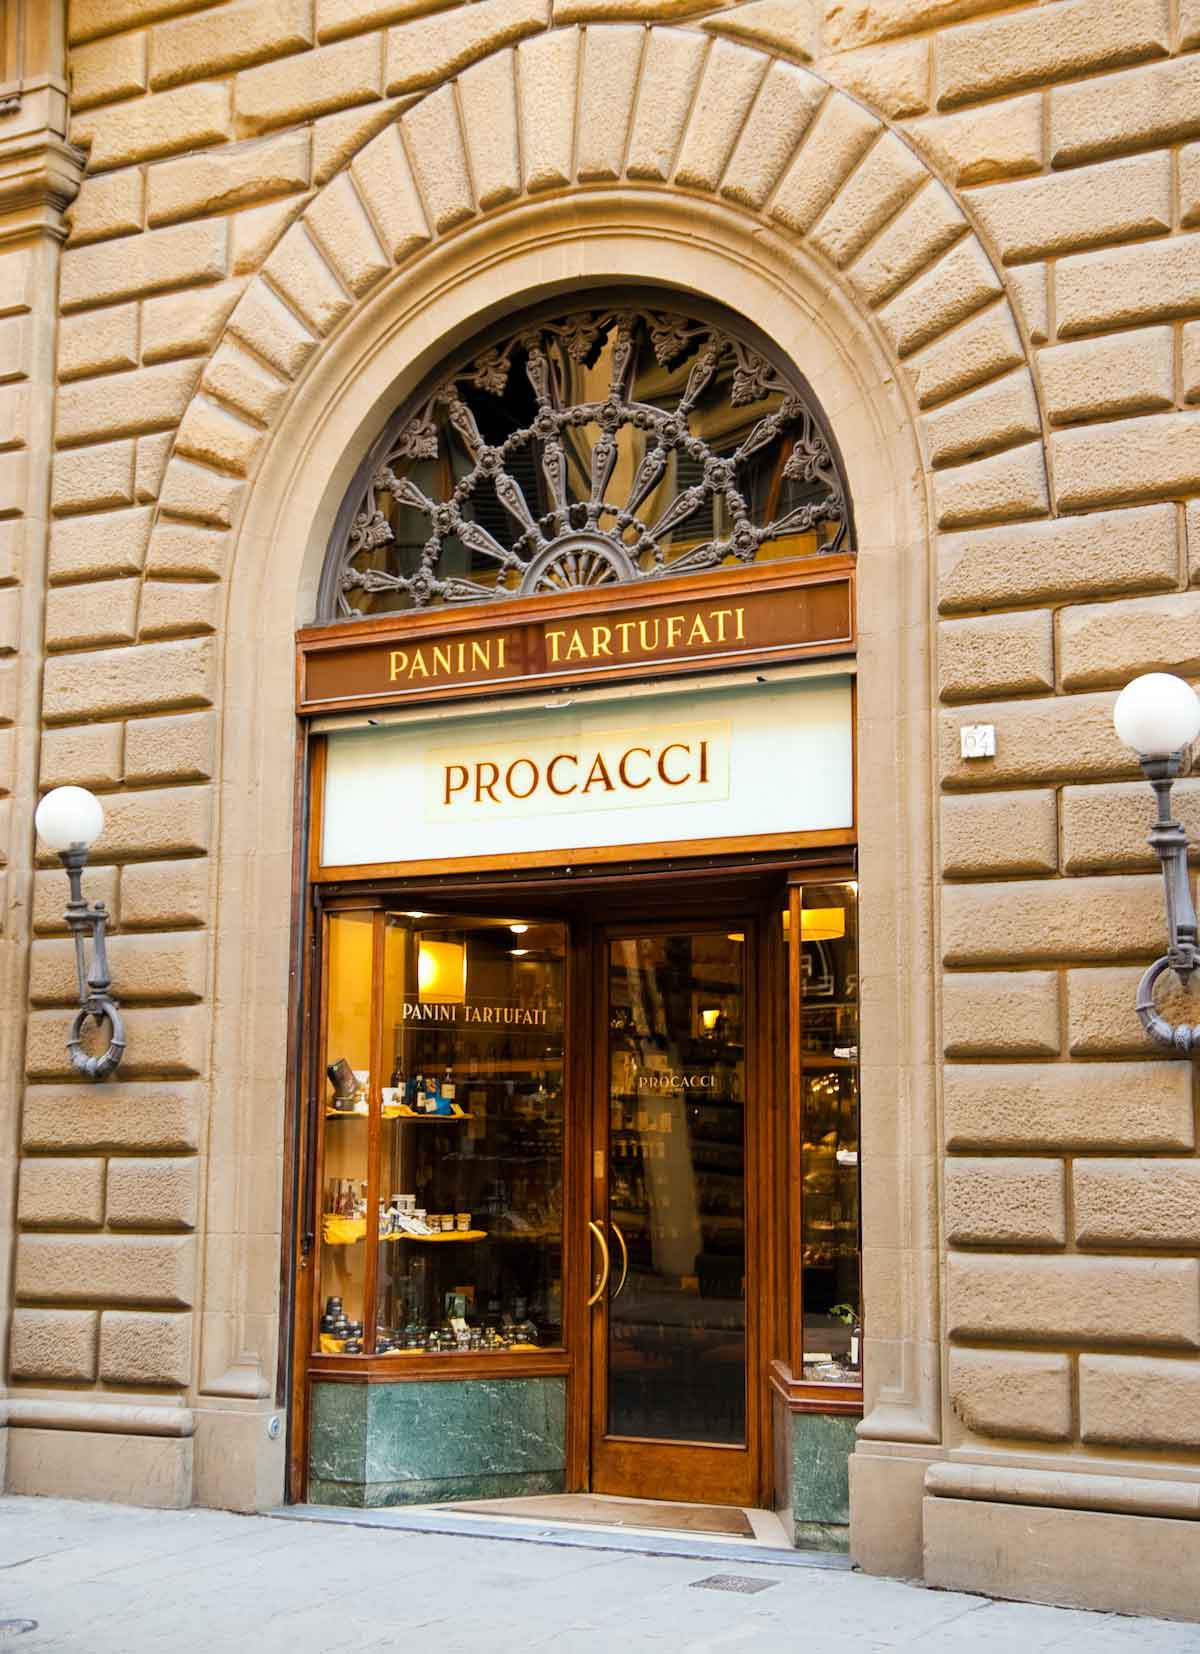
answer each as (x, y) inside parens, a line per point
(683, 624)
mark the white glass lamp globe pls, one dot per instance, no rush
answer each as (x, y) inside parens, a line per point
(69, 818)
(1157, 714)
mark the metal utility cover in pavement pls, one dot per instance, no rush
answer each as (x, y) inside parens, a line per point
(733, 1582)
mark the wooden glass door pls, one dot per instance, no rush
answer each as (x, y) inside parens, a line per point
(672, 1322)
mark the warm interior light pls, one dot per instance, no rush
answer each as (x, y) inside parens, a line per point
(518, 930)
(822, 924)
(1157, 714)
(410, 915)
(69, 818)
(710, 1016)
(442, 973)
(737, 936)
(518, 953)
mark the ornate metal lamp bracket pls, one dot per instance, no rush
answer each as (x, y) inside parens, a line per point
(96, 1004)
(1169, 841)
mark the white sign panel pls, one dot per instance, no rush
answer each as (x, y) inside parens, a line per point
(717, 763)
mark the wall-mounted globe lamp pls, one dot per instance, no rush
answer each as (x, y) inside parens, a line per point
(1157, 716)
(70, 820)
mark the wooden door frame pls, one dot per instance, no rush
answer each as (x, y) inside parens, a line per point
(640, 894)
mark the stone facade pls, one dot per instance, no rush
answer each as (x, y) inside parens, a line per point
(975, 225)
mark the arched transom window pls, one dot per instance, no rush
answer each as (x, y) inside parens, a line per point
(597, 444)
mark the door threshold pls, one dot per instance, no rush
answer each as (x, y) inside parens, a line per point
(524, 1529)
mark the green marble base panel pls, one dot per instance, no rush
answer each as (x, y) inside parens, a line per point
(381, 1495)
(821, 1536)
(390, 1444)
(820, 1469)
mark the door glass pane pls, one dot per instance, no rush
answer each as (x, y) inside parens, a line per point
(347, 1083)
(471, 1156)
(676, 1179)
(832, 1332)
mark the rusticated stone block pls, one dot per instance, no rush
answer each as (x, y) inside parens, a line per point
(180, 748)
(149, 399)
(108, 205)
(1014, 832)
(1008, 654)
(994, 1202)
(1097, 378)
(236, 36)
(122, 1269)
(961, 282)
(99, 885)
(1105, 828)
(786, 103)
(86, 756)
(242, 381)
(1090, 207)
(226, 178)
(116, 1115)
(89, 18)
(139, 1347)
(165, 123)
(161, 894)
(97, 342)
(1067, 738)
(338, 138)
(1138, 1401)
(611, 58)
(151, 677)
(263, 322)
(919, 233)
(215, 437)
(998, 140)
(1032, 921)
(1152, 281)
(547, 71)
(1110, 551)
(895, 79)
(1075, 1300)
(1031, 48)
(54, 1343)
(175, 257)
(433, 133)
(1101, 1021)
(1156, 105)
(341, 17)
(93, 479)
(488, 95)
(59, 1193)
(869, 20)
(179, 608)
(1127, 459)
(88, 547)
(187, 324)
(101, 612)
(387, 186)
(982, 348)
(187, 551)
(295, 89)
(340, 223)
(1140, 1203)
(169, 1043)
(1012, 484)
(148, 967)
(429, 50)
(1012, 1393)
(299, 272)
(1000, 1014)
(108, 70)
(1191, 362)
(198, 493)
(1072, 1107)
(1109, 643)
(153, 1194)
(156, 821)
(255, 231)
(878, 187)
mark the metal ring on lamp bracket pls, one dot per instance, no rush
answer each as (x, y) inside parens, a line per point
(1184, 1038)
(97, 1010)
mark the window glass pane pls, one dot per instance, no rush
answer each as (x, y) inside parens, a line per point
(347, 1086)
(470, 1190)
(832, 1310)
(677, 1092)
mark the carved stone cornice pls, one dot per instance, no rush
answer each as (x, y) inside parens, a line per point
(40, 174)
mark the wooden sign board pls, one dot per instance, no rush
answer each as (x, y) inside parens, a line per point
(733, 618)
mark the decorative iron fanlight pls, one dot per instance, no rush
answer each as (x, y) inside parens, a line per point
(600, 447)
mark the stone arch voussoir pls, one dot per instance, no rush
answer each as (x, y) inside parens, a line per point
(621, 106)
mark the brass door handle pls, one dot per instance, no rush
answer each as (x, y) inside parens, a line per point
(624, 1260)
(599, 1292)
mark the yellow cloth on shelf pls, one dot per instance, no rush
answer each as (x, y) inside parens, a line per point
(336, 1231)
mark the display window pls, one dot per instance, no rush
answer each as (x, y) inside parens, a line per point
(443, 1136)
